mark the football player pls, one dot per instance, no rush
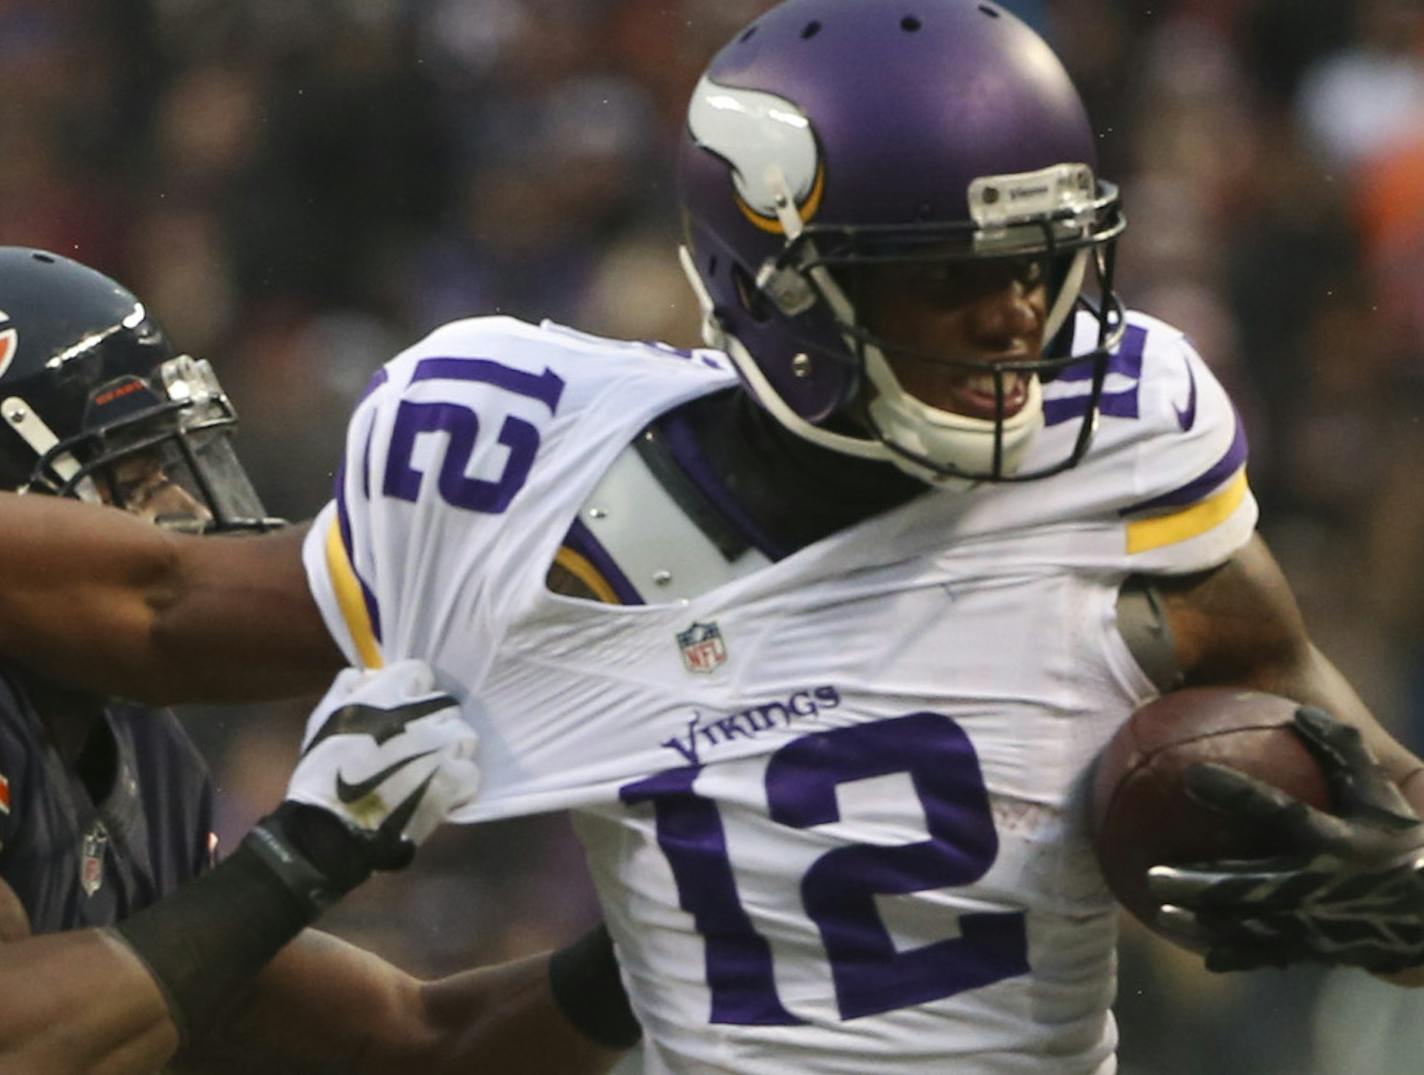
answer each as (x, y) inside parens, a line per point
(105, 805)
(818, 629)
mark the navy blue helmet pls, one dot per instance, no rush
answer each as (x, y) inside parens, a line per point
(94, 399)
(834, 134)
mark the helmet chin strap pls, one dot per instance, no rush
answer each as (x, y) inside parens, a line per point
(1067, 296)
(32, 429)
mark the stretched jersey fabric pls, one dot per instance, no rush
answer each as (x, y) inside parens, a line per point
(76, 862)
(834, 805)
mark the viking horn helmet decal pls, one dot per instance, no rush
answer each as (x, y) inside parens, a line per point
(756, 132)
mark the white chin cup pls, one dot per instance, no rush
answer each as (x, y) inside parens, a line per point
(950, 441)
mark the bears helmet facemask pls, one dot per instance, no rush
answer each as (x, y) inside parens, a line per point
(88, 379)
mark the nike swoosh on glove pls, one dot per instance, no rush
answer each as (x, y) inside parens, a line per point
(1347, 888)
(388, 755)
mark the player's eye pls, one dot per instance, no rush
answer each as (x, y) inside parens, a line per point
(1030, 273)
(133, 480)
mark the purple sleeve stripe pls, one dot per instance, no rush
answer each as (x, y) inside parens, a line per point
(546, 387)
(343, 522)
(1199, 487)
(682, 444)
(581, 541)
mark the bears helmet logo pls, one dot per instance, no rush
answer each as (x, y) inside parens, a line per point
(9, 342)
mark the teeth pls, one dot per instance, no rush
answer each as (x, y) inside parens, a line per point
(984, 383)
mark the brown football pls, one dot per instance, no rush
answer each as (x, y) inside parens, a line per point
(1142, 814)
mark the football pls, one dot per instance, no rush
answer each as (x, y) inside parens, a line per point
(1142, 815)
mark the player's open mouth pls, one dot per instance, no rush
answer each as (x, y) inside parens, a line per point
(977, 395)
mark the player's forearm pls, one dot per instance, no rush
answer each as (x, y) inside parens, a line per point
(99, 599)
(77, 1003)
(503, 1018)
(80, 585)
(240, 625)
(324, 1005)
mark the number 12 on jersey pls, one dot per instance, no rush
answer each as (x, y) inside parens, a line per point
(838, 890)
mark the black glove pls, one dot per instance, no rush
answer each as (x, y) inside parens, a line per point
(1347, 889)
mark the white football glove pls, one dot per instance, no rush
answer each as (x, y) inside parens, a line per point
(389, 755)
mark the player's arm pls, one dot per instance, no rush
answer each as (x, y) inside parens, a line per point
(96, 598)
(75, 1002)
(118, 1001)
(1345, 888)
(1239, 625)
(72, 1000)
(326, 1006)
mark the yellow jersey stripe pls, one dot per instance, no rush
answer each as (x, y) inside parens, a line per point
(350, 600)
(1153, 533)
(579, 566)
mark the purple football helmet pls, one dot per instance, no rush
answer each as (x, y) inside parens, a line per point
(831, 134)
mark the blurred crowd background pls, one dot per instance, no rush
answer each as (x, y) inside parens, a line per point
(301, 187)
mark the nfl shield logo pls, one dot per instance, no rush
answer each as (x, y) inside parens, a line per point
(91, 858)
(702, 647)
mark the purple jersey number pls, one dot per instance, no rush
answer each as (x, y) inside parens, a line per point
(870, 975)
(461, 426)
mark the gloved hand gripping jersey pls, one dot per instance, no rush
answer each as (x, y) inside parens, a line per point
(384, 760)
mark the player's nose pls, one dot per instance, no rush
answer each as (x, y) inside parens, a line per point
(169, 504)
(1008, 319)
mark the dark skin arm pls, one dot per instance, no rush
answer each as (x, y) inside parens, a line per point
(1239, 625)
(76, 1002)
(81, 1003)
(325, 1006)
(105, 601)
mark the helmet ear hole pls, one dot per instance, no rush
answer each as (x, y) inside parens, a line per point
(752, 300)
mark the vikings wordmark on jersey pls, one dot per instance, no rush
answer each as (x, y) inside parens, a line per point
(829, 803)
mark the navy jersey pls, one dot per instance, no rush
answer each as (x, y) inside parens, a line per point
(75, 862)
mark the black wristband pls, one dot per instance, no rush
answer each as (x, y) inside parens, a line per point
(584, 979)
(315, 853)
(208, 939)
(205, 941)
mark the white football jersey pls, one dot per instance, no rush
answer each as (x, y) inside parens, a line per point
(834, 806)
